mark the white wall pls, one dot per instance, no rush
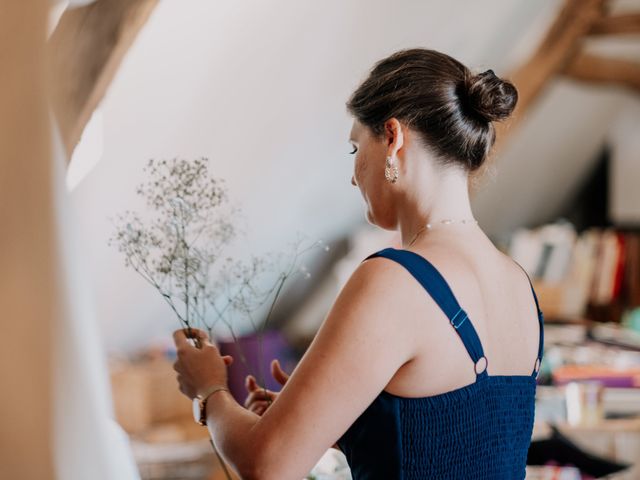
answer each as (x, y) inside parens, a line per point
(624, 179)
(259, 87)
(548, 159)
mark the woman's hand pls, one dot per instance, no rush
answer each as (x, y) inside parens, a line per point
(199, 368)
(259, 398)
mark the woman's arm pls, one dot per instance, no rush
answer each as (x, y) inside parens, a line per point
(357, 350)
(260, 398)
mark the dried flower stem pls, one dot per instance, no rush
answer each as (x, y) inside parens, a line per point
(176, 253)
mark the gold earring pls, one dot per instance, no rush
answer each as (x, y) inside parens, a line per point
(390, 171)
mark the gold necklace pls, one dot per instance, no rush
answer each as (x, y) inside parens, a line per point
(446, 221)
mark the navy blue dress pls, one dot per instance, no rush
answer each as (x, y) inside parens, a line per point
(480, 431)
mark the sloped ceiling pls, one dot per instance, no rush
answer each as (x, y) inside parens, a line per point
(259, 87)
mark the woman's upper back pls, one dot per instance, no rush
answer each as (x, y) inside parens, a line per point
(480, 429)
(496, 294)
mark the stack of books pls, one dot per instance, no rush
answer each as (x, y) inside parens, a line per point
(577, 274)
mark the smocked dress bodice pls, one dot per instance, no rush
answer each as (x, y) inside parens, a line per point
(480, 431)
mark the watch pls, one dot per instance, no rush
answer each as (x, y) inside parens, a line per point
(200, 404)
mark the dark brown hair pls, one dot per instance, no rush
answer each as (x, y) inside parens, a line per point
(437, 96)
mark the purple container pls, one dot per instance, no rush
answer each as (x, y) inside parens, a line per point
(610, 382)
(258, 360)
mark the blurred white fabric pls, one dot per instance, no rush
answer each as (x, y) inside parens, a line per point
(332, 466)
(87, 442)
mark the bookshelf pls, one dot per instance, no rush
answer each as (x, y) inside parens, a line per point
(593, 275)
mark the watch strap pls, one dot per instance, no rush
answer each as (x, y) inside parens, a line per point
(203, 401)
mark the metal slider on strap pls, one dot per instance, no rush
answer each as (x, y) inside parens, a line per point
(453, 320)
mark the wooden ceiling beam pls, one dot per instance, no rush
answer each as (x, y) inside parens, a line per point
(30, 293)
(561, 42)
(617, 25)
(85, 52)
(597, 69)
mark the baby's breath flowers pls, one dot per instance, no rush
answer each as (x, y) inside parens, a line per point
(180, 251)
(175, 250)
(180, 248)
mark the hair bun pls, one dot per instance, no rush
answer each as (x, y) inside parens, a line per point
(490, 97)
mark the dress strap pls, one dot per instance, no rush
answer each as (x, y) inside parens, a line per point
(536, 368)
(435, 284)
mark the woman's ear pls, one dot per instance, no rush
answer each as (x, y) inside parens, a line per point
(394, 136)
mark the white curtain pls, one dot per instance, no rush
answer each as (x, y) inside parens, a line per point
(87, 443)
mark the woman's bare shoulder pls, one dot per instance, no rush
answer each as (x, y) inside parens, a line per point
(382, 288)
(374, 281)
(380, 274)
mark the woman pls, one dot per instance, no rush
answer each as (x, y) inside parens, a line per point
(409, 384)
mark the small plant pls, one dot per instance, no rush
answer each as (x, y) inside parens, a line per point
(181, 248)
